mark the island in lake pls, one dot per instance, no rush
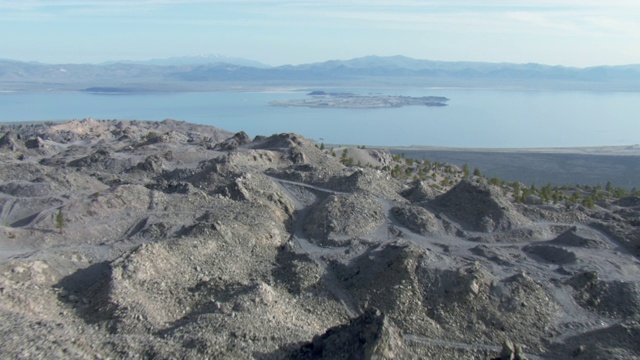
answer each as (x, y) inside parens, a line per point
(321, 99)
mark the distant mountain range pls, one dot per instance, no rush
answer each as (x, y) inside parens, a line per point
(195, 60)
(207, 73)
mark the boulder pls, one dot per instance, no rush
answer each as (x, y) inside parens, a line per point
(369, 336)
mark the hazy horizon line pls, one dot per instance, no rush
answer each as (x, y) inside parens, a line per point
(223, 56)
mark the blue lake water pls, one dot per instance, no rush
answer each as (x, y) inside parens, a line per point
(473, 118)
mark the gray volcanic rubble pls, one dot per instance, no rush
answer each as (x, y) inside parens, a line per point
(479, 207)
(369, 336)
(169, 240)
(340, 217)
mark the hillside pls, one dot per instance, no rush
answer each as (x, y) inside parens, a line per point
(127, 239)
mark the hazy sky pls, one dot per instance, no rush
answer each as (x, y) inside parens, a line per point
(556, 32)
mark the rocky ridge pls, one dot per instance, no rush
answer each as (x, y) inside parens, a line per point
(128, 239)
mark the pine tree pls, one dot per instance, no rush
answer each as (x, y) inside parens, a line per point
(465, 170)
(495, 181)
(589, 202)
(59, 221)
(516, 192)
(345, 152)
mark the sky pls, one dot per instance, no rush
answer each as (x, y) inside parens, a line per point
(576, 33)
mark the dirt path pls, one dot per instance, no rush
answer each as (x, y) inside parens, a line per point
(315, 252)
(466, 346)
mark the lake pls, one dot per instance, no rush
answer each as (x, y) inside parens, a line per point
(473, 118)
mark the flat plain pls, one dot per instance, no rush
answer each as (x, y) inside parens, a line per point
(559, 166)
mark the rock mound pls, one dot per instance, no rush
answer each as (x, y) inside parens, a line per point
(366, 180)
(618, 299)
(495, 256)
(102, 160)
(471, 301)
(617, 341)
(293, 152)
(419, 191)
(207, 175)
(462, 303)
(369, 336)
(367, 157)
(552, 254)
(151, 164)
(386, 279)
(11, 142)
(297, 272)
(580, 237)
(232, 143)
(478, 206)
(338, 218)
(35, 143)
(170, 137)
(210, 297)
(81, 127)
(280, 141)
(416, 219)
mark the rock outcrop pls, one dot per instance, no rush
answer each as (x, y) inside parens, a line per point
(369, 336)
